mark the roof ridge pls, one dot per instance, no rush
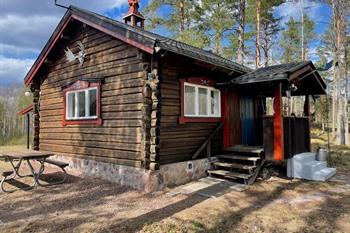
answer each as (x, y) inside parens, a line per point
(160, 38)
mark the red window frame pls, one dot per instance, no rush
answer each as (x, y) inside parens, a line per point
(79, 86)
(203, 81)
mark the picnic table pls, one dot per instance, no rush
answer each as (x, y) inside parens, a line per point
(16, 159)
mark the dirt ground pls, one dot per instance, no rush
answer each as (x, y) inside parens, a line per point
(93, 205)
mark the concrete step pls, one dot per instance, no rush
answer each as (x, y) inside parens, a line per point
(324, 174)
(228, 174)
(234, 165)
(304, 157)
(311, 167)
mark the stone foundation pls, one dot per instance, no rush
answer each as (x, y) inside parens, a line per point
(139, 178)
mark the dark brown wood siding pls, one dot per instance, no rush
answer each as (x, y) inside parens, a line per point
(119, 138)
(234, 121)
(177, 141)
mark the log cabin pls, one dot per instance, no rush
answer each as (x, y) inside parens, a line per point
(134, 107)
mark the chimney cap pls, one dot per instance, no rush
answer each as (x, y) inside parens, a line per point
(134, 16)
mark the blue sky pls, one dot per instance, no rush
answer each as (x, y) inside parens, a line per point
(25, 26)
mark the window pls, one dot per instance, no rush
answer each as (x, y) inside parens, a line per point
(201, 101)
(81, 104)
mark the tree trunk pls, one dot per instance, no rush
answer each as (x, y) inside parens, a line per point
(218, 42)
(265, 46)
(257, 42)
(182, 16)
(339, 33)
(241, 24)
(302, 31)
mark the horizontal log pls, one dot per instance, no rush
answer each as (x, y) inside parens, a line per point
(191, 142)
(52, 118)
(126, 162)
(122, 115)
(122, 107)
(128, 76)
(125, 99)
(94, 144)
(121, 92)
(105, 123)
(106, 69)
(94, 130)
(47, 113)
(111, 153)
(51, 105)
(92, 137)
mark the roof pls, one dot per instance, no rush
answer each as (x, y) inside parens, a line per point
(135, 36)
(302, 73)
(26, 110)
(270, 73)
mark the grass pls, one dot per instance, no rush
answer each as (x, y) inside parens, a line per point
(15, 141)
(339, 155)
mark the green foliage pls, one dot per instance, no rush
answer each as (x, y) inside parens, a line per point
(216, 18)
(291, 42)
(309, 31)
(192, 33)
(23, 100)
(12, 125)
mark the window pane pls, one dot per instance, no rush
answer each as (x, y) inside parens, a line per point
(203, 97)
(93, 105)
(81, 104)
(214, 103)
(190, 100)
(70, 104)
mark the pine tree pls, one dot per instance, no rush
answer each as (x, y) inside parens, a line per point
(309, 35)
(290, 42)
(181, 20)
(270, 25)
(215, 16)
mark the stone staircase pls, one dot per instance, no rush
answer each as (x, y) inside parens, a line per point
(239, 162)
(305, 166)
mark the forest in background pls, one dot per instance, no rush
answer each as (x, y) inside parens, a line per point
(250, 33)
(12, 125)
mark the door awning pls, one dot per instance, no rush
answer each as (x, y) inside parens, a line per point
(301, 78)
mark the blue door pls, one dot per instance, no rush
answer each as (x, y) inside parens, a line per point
(247, 120)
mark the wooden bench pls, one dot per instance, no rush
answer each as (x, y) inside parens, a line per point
(61, 165)
(5, 174)
(57, 163)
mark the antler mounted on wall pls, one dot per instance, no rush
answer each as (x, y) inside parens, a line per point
(80, 56)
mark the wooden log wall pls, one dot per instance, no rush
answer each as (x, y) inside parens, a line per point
(178, 142)
(119, 138)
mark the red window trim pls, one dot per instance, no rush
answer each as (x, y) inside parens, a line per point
(204, 81)
(77, 86)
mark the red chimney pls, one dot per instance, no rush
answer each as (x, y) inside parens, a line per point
(134, 16)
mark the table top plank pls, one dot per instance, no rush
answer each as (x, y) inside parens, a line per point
(26, 154)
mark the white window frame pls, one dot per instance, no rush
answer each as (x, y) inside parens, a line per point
(209, 89)
(87, 104)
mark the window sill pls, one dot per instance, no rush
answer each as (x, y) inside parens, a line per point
(82, 122)
(183, 120)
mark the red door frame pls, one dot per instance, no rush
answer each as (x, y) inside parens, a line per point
(278, 132)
